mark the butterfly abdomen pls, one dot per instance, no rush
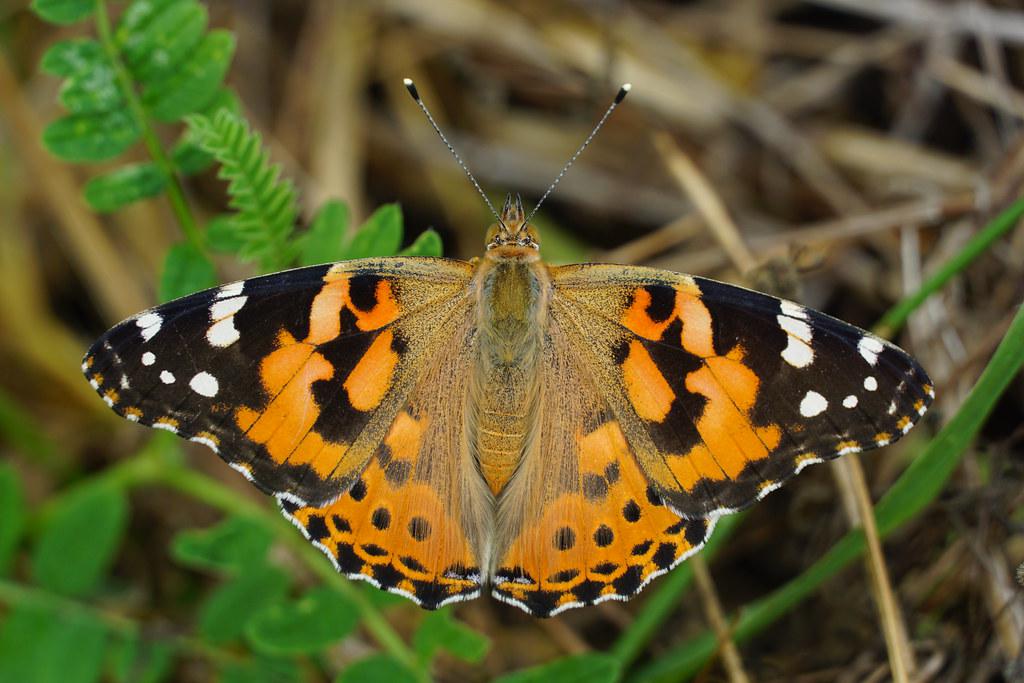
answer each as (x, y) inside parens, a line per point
(512, 294)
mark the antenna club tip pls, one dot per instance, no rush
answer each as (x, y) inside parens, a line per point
(623, 91)
(411, 87)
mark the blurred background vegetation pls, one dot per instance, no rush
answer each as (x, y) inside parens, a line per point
(855, 156)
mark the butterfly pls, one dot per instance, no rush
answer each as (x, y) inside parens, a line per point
(557, 435)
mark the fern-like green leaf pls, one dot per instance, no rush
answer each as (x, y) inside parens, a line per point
(265, 204)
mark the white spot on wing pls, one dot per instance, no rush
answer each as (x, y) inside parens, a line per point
(793, 310)
(149, 324)
(869, 348)
(806, 462)
(222, 333)
(131, 417)
(798, 352)
(242, 468)
(166, 427)
(848, 449)
(234, 289)
(166, 377)
(148, 358)
(813, 404)
(850, 401)
(223, 308)
(124, 382)
(870, 383)
(109, 401)
(794, 327)
(204, 384)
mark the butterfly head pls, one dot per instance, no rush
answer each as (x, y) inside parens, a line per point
(512, 230)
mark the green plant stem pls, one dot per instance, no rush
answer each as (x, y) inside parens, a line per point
(17, 594)
(175, 192)
(916, 488)
(158, 464)
(897, 316)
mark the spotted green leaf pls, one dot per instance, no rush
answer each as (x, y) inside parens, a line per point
(157, 46)
(91, 137)
(111, 191)
(194, 83)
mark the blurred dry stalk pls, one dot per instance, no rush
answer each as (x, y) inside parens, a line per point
(869, 139)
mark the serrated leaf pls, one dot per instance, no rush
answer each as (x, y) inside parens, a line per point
(39, 646)
(111, 191)
(439, 630)
(225, 614)
(265, 204)
(376, 669)
(186, 270)
(325, 240)
(222, 234)
(72, 57)
(165, 40)
(587, 668)
(195, 82)
(12, 514)
(320, 618)
(63, 11)
(428, 243)
(233, 544)
(91, 137)
(80, 539)
(380, 235)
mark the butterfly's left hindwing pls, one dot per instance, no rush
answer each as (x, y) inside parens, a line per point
(725, 393)
(292, 378)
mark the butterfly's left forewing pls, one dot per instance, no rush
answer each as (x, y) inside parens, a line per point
(293, 378)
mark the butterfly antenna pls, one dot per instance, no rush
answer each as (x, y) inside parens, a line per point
(623, 91)
(411, 87)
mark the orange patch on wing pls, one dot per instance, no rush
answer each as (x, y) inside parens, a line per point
(288, 375)
(730, 439)
(370, 379)
(649, 392)
(698, 335)
(134, 412)
(406, 436)
(636, 319)
(325, 313)
(384, 311)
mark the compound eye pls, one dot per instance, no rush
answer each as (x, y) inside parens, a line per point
(492, 234)
(529, 235)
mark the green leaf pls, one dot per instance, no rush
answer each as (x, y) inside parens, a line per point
(133, 660)
(376, 669)
(63, 11)
(70, 58)
(428, 243)
(439, 630)
(111, 191)
(320, 618)
(40, 646)
(80, 538)
(12, 514)
(588, 668)
(224, 615)
(233, 544)
(325, 240)
(193, 84)
(186, 270)
(91, 137)
(189, 159)
(380, 235)
(91, 84)
(159, 45)
(136, 18)
(265, 205)
(262, 670)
